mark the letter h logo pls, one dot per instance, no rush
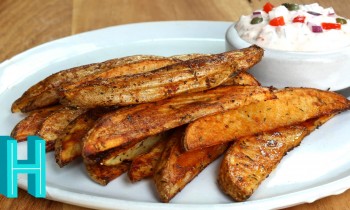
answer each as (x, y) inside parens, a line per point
(34, 166)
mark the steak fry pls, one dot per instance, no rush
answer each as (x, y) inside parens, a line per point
(176, 168)
(31, 124)
(192, 75)
(45, 92)
(294, 105)
(121, 128)
(251, 159)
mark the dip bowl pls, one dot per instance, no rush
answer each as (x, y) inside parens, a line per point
(326, 70)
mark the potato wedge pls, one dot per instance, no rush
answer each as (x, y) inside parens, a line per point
(118, 155)
(294, 105)
(176, 168)
(251, 159)
(243, 78)
(54, 124)
(31, 124)
(45, 92)
(120, 128)
(185, 57)
(130, 68)
(192, 75)
(143, 165)
(68, 143)
(104, 174)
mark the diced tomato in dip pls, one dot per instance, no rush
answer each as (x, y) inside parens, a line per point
(292, 27)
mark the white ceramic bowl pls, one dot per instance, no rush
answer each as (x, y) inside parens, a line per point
(322, 70)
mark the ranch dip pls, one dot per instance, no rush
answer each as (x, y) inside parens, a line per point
(293, 27)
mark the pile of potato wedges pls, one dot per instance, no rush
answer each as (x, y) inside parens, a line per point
(169, 117)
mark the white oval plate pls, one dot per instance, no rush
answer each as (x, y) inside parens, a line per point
(319, 167)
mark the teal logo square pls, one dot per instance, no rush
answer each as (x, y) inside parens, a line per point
(34, 166)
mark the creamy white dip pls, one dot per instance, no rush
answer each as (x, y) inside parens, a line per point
(295, 36)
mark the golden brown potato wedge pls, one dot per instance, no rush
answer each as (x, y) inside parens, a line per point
(140, 66)
(134, 124)
(251, 159)
(31, 124)
(241, 56)
(243, 78)
(294, 105)
(45, 92)
(118, 155)
(68, 146)
(104, 174)
(55, 123)
(192, 75)
(176, 168)
(68, 143)
(143, 165)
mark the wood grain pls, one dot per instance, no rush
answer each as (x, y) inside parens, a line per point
(26, 24)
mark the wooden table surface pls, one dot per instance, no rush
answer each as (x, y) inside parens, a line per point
(25, 24)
